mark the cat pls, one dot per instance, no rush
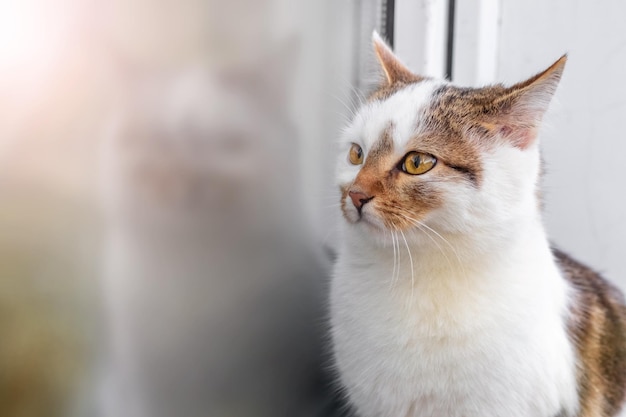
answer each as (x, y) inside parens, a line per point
(215, 296)
(446, 297)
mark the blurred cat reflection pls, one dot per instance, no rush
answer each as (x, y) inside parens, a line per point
(215, 301)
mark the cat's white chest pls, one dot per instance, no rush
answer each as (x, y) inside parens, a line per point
(489, 352)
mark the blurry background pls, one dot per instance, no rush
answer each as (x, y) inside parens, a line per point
(165, 183)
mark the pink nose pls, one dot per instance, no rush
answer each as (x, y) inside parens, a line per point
(359, 199)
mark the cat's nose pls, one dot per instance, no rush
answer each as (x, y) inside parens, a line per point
(359, 199)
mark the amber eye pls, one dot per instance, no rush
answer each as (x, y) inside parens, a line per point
(416, 163)
(356, 154)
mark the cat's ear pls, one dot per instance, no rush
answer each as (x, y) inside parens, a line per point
(395, 70)
(518, 111)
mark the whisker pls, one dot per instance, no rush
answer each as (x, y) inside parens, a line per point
(394, 255)
(421, 225)
(399, 259)
(454, 251)
(333, 196)
(358, 95)
(412, 269)
(432, 230)
(354, 90)
(445, 241)
(395, 271)
(350, 109)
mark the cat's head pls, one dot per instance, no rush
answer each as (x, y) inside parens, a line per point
(422, 153)
(203, 145)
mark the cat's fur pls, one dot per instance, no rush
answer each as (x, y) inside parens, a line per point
(447, 299)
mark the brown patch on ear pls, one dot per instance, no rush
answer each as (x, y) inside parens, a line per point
(455, 112)
(516, 113)
(387, 91)
(550, 75)
(510, 113)
(395, 71)
(597, 328)
(397, 74)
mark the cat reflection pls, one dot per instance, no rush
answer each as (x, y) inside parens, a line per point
(214, 297)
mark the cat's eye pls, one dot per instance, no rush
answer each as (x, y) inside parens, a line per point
(416, 163)
(356, 154)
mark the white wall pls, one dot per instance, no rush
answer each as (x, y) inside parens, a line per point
(583, 141)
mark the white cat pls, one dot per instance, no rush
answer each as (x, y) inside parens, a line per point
(447, 300)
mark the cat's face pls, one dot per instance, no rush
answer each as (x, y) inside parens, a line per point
(423, 154)
(199, 147)
(187, 141)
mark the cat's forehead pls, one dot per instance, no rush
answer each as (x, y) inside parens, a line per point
(191, 100)
(405, 110)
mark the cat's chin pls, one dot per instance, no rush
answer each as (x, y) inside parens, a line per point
(369, 223)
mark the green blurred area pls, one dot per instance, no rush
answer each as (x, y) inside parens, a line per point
(49, 304)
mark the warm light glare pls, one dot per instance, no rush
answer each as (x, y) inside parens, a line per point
(31, 35)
